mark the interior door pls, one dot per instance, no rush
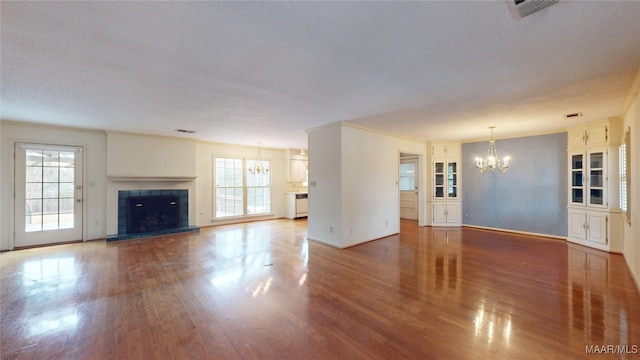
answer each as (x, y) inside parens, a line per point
(48, 194)
(409, 188)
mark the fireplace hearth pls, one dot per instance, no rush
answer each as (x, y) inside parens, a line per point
(143, 213)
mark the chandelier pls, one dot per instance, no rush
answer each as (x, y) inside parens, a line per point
(259, 167)
(492, 162)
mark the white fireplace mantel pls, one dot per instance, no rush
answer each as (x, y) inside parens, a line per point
(152, 178)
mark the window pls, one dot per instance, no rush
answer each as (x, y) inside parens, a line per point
(408, 176)
(241, 189)
(625, 176)
(258, 187)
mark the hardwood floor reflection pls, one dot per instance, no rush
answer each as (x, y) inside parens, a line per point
(261, 291)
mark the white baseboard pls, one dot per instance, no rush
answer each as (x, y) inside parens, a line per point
(516, 232)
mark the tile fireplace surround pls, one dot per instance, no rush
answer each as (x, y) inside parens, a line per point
(179, 224)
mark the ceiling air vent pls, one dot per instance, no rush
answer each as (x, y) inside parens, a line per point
(573, 115)
(186, 131)
(522, 8)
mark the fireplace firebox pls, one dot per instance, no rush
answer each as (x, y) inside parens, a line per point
(144, 213)
(153, 213)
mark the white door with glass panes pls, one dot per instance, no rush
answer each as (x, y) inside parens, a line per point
(48, 194)
(409, 188)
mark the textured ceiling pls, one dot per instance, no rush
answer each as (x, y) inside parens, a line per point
(249, 72)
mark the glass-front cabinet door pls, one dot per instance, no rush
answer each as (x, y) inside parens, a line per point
(438, 181)
(445, 179)
(452, 180)
(587, 179)
(577, 179)
(596, 178)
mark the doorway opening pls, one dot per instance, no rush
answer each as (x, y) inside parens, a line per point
(408, 185)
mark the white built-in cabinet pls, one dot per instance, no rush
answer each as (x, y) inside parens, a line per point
(594, 217)
(296, 166)
(298, 170)
(443, 199)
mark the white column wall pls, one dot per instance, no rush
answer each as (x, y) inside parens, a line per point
(356, 197)
(325, 185)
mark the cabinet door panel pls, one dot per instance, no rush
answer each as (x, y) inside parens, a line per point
(439, 212)
(453, 212)
(445, 151)
(597, 227)
(577, 224)
(576, 138)
(597, 135)
(298, 170)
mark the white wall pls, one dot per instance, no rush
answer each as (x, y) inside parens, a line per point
(632, 232)
(94, 151)
(325, 184)
(356, 192)
(147, 156)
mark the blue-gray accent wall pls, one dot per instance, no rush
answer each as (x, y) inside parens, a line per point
(531, 196)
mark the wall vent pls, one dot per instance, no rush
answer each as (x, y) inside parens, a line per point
(522, 8)
(186, 131)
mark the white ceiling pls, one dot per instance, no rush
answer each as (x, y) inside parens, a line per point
(249, 72)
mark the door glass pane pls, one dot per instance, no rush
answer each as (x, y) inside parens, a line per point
(46, 197)
(50, 174)
(67, 175)
(439, 167)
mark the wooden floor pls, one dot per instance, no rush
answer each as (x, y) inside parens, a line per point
(261, 291)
